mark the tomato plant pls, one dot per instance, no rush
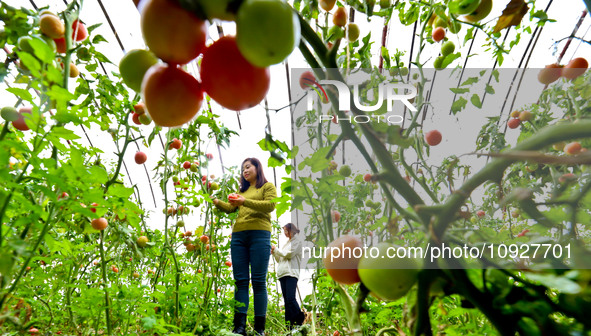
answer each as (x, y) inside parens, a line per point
(79, 250)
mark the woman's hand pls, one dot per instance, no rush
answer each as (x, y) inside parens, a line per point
(237, 200)
(215, 201)
(272, 249)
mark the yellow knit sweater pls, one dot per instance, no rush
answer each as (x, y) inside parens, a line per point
(255, 214)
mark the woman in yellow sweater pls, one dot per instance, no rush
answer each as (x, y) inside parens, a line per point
(251, 242)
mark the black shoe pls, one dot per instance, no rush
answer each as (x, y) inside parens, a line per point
(240, 324)
(259, 325)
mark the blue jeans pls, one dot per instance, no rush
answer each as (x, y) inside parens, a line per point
(251, 250)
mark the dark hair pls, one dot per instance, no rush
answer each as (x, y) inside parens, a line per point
(261, 180)
(291, 228)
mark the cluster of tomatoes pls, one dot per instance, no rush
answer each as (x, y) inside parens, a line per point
(552, 72)
(472, 10)
(52, 31)
(386, 277)
(234, 69)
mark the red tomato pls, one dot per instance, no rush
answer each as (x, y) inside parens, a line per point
(20, 122)
(171, 95)
(172, 33)
(229, 79)
(79, 32)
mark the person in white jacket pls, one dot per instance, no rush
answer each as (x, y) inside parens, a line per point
(288, 270)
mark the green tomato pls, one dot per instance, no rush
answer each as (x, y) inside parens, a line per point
(438, 63)
(345, 171)
(133, 67)
(145, 119)
(481, 12)
(463, 6)
(267, 31)
(455, 27)
(24, 43)
(217, 9)
(388, 277)
(440, 22)
(335, 33)
(447, 48)
(9, 113)
(48, 40)
(353, 32)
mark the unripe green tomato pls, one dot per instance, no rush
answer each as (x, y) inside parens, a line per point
(267, 31)
(180, 223)
(353, 32)
(133, 67)
(345, 171)
(438, 63)
(24, 43)
(335, 33)
(447, 48)
(385, 4)
(440, 22)
(9, 113)
(454, 27)
(145, 119)
(463, 6)
(217, 9)
(387, 277)
(481, 12)
(403, 71)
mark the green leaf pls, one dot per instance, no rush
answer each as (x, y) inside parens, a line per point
(21, 93)
(458, 105)
(449, 59)
(475, 100)
(30, 62)
(560, 283)
(53, 74)
(93, 27)
(59, 93)
(119, 190)
(76, 159)
(6, 263)
(98, 175)
(459, 90)
(489, 89)
(470, 81)
(98, 39)
(64, 133)
(42, 50)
